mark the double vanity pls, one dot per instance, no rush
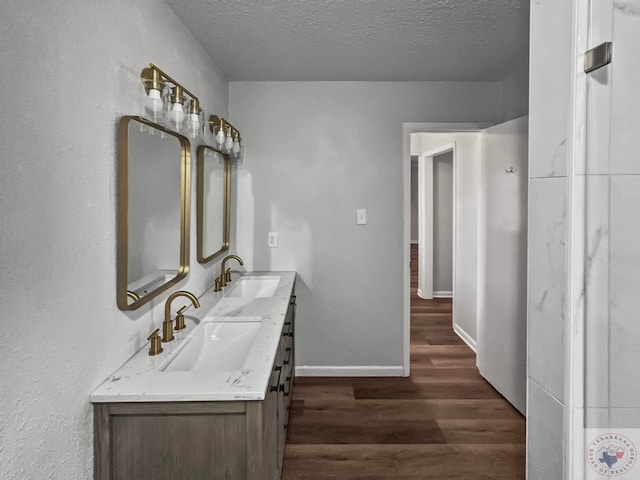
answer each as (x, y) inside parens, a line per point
(215, 402)
(208, 397)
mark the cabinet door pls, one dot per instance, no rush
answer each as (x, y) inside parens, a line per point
(270, 429)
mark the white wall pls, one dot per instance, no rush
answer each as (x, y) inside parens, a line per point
(70, 70)
(316, 151)
(443, 224)
(467, 190)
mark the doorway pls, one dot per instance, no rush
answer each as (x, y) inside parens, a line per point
(435, 218)
(463, 144)
(489, 238)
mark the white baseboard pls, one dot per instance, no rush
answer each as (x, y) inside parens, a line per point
(443, 294)
(465, 337)
(422, 295)
(363, 371)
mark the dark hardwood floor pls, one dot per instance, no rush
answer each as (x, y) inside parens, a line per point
(443, 422)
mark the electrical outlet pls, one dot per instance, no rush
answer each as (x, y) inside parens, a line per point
(272, 239)
(361, 216)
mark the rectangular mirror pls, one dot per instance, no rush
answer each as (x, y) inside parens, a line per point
(153, 211)
(214, 183)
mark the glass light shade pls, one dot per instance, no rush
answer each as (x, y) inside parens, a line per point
(154, 106)
(237, 155)
(195, 120)
(176, 116)
(220, 139)
(153, 91)
(228, 144)
(195, 125)
(235, 150)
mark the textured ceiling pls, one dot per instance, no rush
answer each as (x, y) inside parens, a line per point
(388, 40)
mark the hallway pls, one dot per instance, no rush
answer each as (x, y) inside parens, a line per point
(443, 422)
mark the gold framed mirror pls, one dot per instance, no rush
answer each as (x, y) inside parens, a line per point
(154, 180)
(213, 191)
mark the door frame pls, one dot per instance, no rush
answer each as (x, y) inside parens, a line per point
(407, 129)
(426, 189)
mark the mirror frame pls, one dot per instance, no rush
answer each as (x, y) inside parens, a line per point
(122, 292)
(226, 214)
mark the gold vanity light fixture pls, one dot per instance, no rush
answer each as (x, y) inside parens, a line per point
(227, 138)
(169, 103)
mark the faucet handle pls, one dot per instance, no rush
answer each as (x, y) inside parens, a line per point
(228, 275)
(180, 319)
(218, 285)
(156, 346)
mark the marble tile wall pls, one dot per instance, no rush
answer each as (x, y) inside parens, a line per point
(624, 284)
(596, 285)
(625, 101)
(548, 93)
(612, 219)
(544, 452)
(547, 283)
(599, 200)
(549, 105)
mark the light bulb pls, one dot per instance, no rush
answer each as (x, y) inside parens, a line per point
(176, 114)
(153, 103)
(236, 147)
(220, 138)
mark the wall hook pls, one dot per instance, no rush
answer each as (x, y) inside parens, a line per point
(510, 170)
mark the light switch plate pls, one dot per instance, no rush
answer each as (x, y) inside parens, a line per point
(272, 239)
(361, 216)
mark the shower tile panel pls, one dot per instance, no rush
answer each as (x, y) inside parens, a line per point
(596, 291)
(625, 108)
(624, 333)
(547, 284)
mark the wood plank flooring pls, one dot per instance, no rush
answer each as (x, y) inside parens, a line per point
(444, 422)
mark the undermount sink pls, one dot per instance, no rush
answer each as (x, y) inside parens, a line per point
(254, 287)
(218, 344)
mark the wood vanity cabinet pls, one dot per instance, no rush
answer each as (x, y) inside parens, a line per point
(225, 440)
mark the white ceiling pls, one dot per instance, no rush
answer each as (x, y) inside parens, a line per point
(368, 40)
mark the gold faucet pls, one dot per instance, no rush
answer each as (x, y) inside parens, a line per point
(225, 274)
(167, 325)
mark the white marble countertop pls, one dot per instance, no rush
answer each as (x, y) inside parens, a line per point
(142, 379)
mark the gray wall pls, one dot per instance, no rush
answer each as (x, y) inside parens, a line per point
(443, 223)
(339, 149)
(70, 70)
(414, 199)
(515, 94)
